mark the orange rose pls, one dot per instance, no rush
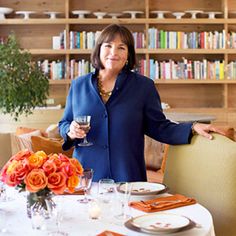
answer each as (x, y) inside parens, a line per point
(36, 180)
(57, 182)
(63, 157)
(37, 159)
(21, 155)
(55, 158)
(16, 173)
(68, 169)
(72, 182)
(49, 167)
(76, 163)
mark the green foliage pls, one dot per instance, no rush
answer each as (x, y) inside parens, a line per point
(23, 86)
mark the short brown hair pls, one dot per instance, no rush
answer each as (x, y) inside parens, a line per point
(107, 35)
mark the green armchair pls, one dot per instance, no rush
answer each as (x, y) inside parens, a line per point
(206, 170)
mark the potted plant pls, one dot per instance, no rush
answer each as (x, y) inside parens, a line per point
(23, 86)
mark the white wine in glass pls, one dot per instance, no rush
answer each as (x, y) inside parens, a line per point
(84, 122)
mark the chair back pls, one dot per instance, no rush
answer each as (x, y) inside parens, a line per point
(206, 170)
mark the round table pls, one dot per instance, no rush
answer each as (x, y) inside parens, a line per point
(76, 220)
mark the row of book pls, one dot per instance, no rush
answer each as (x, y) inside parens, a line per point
(156, 39)
(184, 40)
(188, 69)
(185, 69)
(86, 40)
(57, 70)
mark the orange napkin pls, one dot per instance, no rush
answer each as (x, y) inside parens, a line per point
(163, 203)
(109, 233)
(76, 192)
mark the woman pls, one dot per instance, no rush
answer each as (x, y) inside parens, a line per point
(124, 106)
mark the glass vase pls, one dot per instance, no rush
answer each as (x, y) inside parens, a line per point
(40, 201)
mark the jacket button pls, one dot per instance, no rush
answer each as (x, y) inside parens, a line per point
(105, 146)
(105, 115)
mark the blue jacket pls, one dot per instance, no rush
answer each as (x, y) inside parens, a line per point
(118, 127)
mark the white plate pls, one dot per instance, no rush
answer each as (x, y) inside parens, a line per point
(211, 14)
(160, 222)
(3, 11)
(81, 13)
(25, 13)
(99, 14)
(160, 14)
(114, 15)
(133, 13)
(194, 13)
(144, 188)
(178, 15)
(52, 14)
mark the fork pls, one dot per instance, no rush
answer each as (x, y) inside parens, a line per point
(157, 203)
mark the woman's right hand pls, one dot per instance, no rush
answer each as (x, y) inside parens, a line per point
(75, 131)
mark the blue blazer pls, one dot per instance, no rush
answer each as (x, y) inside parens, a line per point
(118, 127)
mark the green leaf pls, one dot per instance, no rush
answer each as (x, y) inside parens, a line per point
(23, 86)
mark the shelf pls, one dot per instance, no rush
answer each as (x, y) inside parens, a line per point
(38, 21)
(194, 81)
(210, 96)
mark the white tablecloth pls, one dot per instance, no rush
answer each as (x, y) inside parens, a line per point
(76, 221)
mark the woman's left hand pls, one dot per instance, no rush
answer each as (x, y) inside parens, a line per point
(204, 129)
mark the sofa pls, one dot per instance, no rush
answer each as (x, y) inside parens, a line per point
(206, 171)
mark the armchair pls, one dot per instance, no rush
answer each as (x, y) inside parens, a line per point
(206, 170)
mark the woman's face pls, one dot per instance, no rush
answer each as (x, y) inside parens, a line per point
(114, 54)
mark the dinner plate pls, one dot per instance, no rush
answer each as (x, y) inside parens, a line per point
(160, 222)
(144, 188)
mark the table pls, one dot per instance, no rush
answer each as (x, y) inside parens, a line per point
(76, 221)
(189, 117)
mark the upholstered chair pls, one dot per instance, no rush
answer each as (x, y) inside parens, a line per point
(206, 170)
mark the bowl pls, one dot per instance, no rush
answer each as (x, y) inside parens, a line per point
(3, 11)
(99, 14)
(81, 13)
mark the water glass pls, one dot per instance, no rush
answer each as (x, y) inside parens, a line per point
(3, 221)
(38, 219)
(106, 190)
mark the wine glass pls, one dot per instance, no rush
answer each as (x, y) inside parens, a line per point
(123, 193)
(85, 183)
(84, 122)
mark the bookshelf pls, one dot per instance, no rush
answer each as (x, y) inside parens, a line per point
(208, 96)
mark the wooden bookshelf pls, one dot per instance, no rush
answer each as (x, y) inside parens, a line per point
(214, 97)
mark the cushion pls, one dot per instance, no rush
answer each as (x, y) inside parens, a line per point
(53, 131)
(24, 130)
(23, 141)
(49, 145)
(153, 152)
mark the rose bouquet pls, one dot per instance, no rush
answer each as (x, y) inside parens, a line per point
(41, 174)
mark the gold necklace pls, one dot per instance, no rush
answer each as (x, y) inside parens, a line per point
(102, 92)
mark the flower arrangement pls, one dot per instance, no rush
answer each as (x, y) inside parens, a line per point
(42, 176)
(38, 171)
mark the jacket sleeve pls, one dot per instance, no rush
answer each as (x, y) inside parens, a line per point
(157, 126)
(64, 123)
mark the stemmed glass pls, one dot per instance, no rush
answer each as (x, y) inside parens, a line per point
(84, 122)
(85, 183)
(123, 193)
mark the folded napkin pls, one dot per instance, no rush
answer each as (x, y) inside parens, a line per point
(109, 233)
(76, 192)
(163, 203)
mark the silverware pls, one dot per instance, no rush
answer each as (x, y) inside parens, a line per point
(160, 202)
